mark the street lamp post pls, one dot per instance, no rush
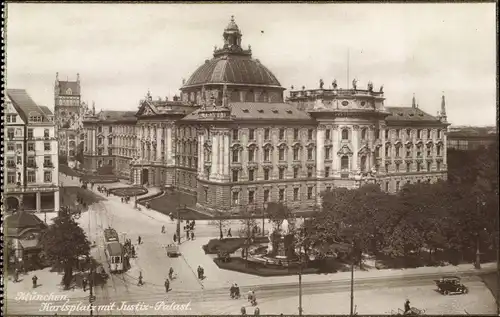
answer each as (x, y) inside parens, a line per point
(352, 280)
(300, 286)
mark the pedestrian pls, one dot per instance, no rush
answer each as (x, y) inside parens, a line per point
(163, 229)
(256, 311)
(133, 251)
(175, 237)
(243, 311)
(171, 273)
(229, 235)
(139, 240)
(167, 285)
(140, 283)
(34, 279)
(199, 272)
(84, 284)
(187, 234)
(16, 275)
(192, 235)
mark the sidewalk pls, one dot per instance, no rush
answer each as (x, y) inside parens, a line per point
(216, 278)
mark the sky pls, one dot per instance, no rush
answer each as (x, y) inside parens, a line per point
(123, 50)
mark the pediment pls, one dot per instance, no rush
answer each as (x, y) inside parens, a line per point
(146, 110)
(344, 150)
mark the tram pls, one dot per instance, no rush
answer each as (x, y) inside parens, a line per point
(114, 250)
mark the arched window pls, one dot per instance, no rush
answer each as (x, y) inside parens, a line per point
(363, 134)
(344, 163)
(363, 163)
(235, 155)
(345, 134)
(250, 96)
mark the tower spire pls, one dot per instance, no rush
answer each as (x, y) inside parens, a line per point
(413, 101)
(443, 108)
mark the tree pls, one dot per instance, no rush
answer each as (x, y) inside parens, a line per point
(248, 223)
(220, 222)
(62, 243)
(79, 153)
(277, 213)
(63, 159)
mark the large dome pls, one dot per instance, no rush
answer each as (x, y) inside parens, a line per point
(242, 70)
(232, 65)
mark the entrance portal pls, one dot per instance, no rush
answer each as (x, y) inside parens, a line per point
(12, 203)
(145, 176)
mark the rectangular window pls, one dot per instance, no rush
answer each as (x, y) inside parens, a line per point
(438, 166)
(295, 134)
(282, 134)
(328, 188)
(46, 146)
(266, 174)
(439, 134)
(236, 198)
(235, 175)
(281, 154)
(47, 177)
(428, 166)
(266, 195)
(110, 141)
(110, 152)
(47, 162)
(110, 129)
(30, 133)
(11, 162)
(429, 135)
(10, 146)
(235, 156)
(266, 134)
(327, 171)
(251, 196)
(296, 194)
(99, 129)
(397, 167)
(8, 118)
(309, 154)
(251, 134)
(295, 154)
(235, 134)
(281, 195)
(310, 134)
(267, 154)
(418, 167)
(386, 186)
(419, 134)
(46, 133)
(386, 133)
(328, 134)
(31, 161)
(397, 185)
(11, 177)
(295, 172)
(309, 192)
(408, 167)
(251, 175)
(10, 133)
(309, 172)
(31, 177)
(327, 153)
(281, 173)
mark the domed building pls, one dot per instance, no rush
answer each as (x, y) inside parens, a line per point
(233, 142)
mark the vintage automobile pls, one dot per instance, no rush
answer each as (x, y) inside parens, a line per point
(173, 250)
(451, 285)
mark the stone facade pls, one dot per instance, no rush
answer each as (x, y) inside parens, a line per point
(31, 175)
(232, 141)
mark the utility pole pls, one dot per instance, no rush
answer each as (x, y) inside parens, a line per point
(91, 284)
(477, 265)
(300, 286)
(352, 280)
(263, 218)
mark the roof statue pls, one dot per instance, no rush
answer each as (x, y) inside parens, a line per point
(93, 107)
(354, 83)
(413, 102)
(334, 84)
(57, 75)
(381, 89)
(149, 96)
(303, 87)
(291, 87)
(212, 100)
(370, 86)
(321, 83)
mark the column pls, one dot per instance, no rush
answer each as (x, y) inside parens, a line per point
(169, 145)
(200, 154)
(382, 149)
(56, 201)
(320, 151)
(355, 145)
(38, 202)
(215, 156)
(226, 155)
(335, 150)
(93, 142)
(158, 143)
(220, 168)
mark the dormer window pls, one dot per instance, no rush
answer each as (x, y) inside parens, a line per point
(245, 110)
(289, 111)
(260, 111)
(69, 91)
(275, 111)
